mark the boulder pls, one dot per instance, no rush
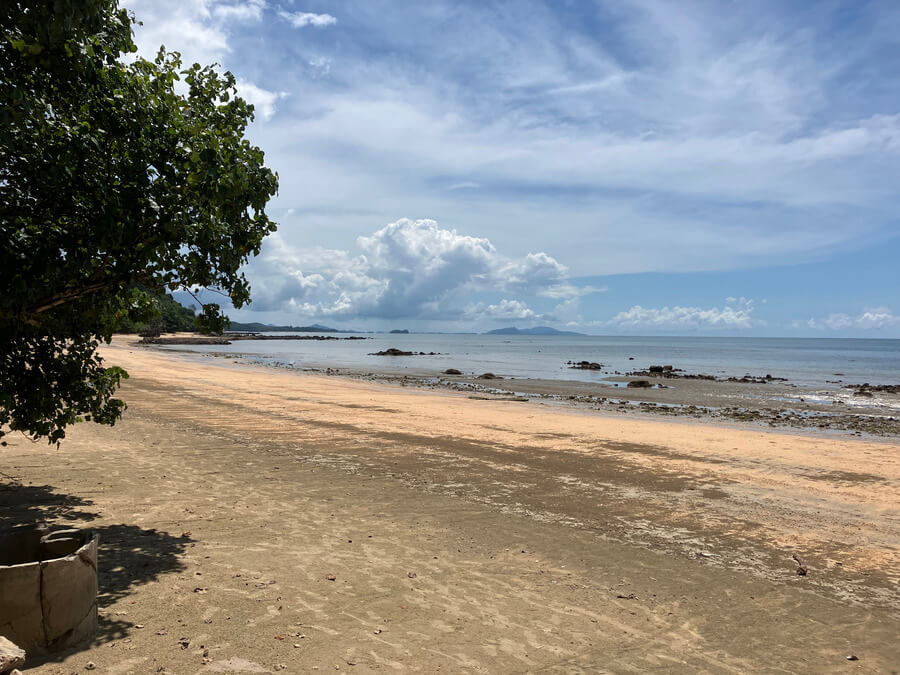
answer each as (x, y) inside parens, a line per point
(640, 384)
(452, 371)
(489, 376)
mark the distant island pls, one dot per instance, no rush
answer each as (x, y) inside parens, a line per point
(537, 330)
(255, 327)
(400, 331)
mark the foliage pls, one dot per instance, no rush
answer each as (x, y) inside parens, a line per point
(171, 317)
(111, 180)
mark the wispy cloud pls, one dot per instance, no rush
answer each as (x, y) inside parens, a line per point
(737, 314)
(301, 19)
(875, 319)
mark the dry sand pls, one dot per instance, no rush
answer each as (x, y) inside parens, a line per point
(461, 535)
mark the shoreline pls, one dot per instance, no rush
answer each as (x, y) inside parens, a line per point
(267, 518)
(776, 404)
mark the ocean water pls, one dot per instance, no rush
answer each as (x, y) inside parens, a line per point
(808, 362)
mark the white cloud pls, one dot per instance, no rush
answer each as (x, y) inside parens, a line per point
(320, 64)
(249, 10)
(201, 30)
(736, 315)
(505, 309)
(877, 318)
(301, 19)
(408, 269)
(262, 100)
(191, 27)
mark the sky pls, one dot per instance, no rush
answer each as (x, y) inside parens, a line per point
(609, 167)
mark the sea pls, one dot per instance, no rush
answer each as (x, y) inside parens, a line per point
(822, 363)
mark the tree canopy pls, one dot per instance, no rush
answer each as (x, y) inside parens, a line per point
(119, 178)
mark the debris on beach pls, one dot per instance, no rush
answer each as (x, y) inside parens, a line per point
(11, 656)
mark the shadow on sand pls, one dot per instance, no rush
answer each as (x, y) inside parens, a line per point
(128, 557)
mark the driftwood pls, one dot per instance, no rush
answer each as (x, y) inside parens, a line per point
(801, 568)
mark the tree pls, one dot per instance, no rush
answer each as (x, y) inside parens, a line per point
(116, 174)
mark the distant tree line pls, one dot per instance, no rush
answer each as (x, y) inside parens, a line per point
(170, 316)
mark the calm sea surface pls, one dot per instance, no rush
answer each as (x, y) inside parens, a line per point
(804, 361)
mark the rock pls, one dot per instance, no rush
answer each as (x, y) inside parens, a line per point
(411, 575)
(452, 371)
(655, 369)
(10, 655)
(392, 351)
(586, 365)
(852, 657)
(331, 577)
(639, 384)
(489, 376)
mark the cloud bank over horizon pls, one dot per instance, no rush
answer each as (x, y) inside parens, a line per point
(407, 269)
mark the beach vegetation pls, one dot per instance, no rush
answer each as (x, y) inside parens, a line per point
(120, 178)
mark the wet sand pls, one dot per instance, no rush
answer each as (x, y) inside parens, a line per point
(772, 403)
(462, 535)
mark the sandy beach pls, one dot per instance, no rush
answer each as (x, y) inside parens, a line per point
(256, 520)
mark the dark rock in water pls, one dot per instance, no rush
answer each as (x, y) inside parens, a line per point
(631, 358)
(489, 376)
(392, 351)
(586, 365)
(452, 371)
(640, 384)
(656, 369)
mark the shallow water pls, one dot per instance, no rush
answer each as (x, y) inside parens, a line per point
(809, 362)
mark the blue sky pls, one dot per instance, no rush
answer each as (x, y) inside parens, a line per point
(610, 167)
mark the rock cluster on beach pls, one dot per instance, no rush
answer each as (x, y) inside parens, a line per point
(678, 373)
(867, 389)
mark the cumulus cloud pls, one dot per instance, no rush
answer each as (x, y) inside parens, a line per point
(735, 314)
(505, 309)
(406, 269)
(877, 318)
(301, 19)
